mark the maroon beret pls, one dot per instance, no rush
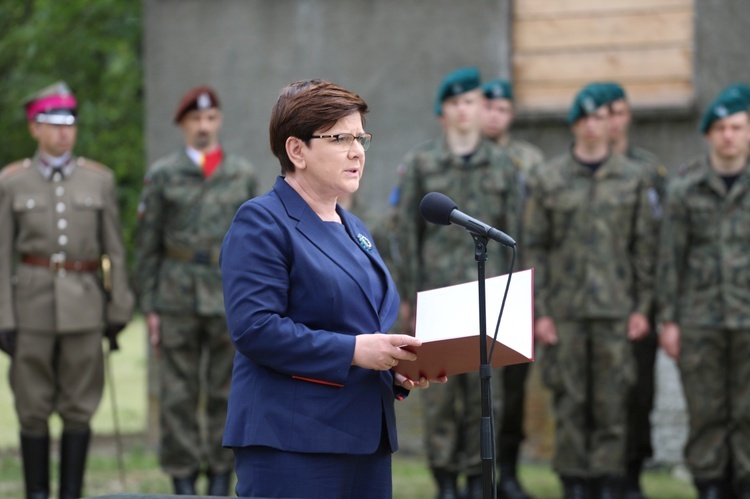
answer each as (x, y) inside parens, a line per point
(197, 98)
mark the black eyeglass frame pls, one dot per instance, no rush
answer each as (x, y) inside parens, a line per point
(364, 140)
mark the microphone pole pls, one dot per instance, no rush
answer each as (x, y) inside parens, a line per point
(486, 432)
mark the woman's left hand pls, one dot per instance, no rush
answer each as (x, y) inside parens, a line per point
(410, 384)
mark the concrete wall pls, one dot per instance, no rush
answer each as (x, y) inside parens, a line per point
(393, 53)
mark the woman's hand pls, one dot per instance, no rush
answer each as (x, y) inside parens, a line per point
(383, 351)
(410, 384)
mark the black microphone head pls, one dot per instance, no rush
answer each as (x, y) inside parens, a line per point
(436, 208)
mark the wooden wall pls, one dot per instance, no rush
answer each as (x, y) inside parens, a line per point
(560, 45)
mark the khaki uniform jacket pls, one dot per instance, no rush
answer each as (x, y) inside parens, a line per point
(704, 262)
(76, 214)
(181, 210)
(590, 238)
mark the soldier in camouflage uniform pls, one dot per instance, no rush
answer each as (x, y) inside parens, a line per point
(497, 120)
(481, 179)
(704, 298)
(187, 204)
(59, 217)
(589, 231)
(641, 400)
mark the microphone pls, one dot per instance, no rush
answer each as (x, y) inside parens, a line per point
(439, 209)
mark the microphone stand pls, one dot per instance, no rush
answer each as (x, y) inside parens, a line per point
(487, 442)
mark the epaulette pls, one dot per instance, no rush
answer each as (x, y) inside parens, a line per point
(92, 165)
(14, 168)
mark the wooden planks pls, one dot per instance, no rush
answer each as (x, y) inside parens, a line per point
(560, 45)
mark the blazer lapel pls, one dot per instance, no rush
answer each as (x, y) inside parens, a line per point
(313, 228)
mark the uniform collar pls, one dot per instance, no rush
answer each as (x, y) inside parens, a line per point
(48, 165)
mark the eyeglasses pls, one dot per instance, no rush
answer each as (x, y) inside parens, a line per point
(347, 139)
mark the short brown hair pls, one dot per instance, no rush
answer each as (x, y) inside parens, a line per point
(305, 107)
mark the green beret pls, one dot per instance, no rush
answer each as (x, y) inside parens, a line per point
(613, 91)
(726, 104)
(587, 101)
(458, 82)
(739, 89)
(498, 89)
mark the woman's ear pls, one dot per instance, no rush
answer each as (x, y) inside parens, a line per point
(295, 150)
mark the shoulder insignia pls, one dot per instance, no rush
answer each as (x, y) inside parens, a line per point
(15, 167)
(92, 165)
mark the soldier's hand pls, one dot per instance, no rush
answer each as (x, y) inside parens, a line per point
(545, 331)
(153, 324)
(638, 327)
(669, 339)
(111, 332)
(8, 341)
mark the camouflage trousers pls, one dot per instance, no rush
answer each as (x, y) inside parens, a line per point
(453, 416)
(589, 371)
(641, 399)
(714, 369)
(195, 374)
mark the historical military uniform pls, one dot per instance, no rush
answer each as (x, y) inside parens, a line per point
(183, 217)
(704, 287)
(60, 216)
(589, 235)
(431, 256)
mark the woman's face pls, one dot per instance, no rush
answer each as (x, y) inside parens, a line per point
(331, 168)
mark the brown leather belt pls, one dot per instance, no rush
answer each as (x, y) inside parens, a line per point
(58, 262)
(204, 257)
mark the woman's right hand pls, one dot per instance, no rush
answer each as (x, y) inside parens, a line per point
(383, 351)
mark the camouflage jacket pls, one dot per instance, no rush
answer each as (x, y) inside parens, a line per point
(656, 171)
(484, 186)
(183, 217)
(590, 238)
(704, 260)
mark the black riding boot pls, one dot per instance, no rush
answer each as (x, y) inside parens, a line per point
(35, 458)
(508, 486)
(74, 447)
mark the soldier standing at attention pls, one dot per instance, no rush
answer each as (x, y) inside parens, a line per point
(704, 298)
(480, 178)
(589, 232)
(641, 401)
(187, 204)
(497, 120)
(59, 218)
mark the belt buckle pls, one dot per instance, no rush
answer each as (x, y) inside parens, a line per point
(57, 262)
(202, 256)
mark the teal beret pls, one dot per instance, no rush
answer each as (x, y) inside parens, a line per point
(726, 104)
(458, 82)
(498, 89)
(613, 91)
(587, 101)
(739, 89)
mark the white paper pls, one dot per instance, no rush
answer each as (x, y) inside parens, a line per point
(453, 312)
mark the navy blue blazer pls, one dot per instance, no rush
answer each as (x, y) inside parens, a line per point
(295, 299)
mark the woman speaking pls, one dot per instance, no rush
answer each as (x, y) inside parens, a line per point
(311, 408)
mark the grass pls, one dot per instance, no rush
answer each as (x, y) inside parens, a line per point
(411, 479)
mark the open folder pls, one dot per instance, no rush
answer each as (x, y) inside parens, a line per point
(448, 325)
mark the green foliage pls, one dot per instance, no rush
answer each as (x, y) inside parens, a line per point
(95, 48)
